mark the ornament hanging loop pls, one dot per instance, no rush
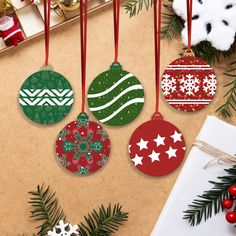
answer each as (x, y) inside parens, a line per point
(157, 116)
(189, 53)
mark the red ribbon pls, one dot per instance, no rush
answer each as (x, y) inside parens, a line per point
(157, 46)
(47, 11)
(83, 44)
(189, 5)
(116, 15)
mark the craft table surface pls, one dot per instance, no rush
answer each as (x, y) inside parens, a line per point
(27, 150)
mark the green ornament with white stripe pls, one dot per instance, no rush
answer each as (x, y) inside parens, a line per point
(115, 97)
(46, 97)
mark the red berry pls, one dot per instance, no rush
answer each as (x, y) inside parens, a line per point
(232, 190)
(227, 203)
(231, 217)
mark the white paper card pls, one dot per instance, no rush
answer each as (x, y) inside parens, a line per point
(193, 180)
(31, 20)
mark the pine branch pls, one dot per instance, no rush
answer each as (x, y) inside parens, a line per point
(133, 7)
(45, 209)
(103, 222)
(172, 23)
(209, 202)
(230, 104)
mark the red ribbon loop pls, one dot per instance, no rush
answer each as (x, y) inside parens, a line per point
(157, 47)
(189, 5)
(47, 11)
(83, 44)
(116, 15)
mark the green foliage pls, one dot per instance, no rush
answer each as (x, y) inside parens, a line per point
(210, 54)
(172, 24)
(230, 103)
(133, 7)
(103, 222)
(45, 209)
(209, 202)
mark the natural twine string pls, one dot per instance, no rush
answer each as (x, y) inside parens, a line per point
(220, 156)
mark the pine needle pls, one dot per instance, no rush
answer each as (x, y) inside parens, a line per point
(103, 222)
(45, 209)
(230, 104)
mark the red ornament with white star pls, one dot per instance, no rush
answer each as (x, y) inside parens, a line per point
(83, 146)
(189, 84)
(156, 148)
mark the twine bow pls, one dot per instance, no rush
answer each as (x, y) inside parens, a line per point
(220, 156)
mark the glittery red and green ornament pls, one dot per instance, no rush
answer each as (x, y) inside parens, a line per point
(83, 146)
(115, 97)
(188, 84)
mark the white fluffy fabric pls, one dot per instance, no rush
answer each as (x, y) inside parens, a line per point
(213, 20)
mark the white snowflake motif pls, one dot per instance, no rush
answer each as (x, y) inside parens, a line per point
(189, 85)
(64, 229)
(209, 84)
(213, 20)
(168, 84)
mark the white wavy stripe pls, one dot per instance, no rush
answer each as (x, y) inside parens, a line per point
(95, 95)
(136, 100)
(131, 88)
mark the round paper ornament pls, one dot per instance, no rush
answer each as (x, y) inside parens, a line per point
(189, 84)
(156, 147)
(46, 97)
(83, 146)
(115, 97)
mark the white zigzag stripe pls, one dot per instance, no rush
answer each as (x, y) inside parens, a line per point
(27, 92)
(111, 88)
(131, 88)
(43, 92)
(136, 100)
(46, 101)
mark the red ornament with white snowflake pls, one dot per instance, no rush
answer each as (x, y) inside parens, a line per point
(156, 147)
(83, 146)
(189, 84)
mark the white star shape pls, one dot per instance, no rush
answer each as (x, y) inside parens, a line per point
(154, 156)
(176, 136)
(137, 160)
(142, 144)
(159, 140)
(171, 152)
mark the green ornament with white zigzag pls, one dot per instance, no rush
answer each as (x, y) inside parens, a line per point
(115, 97)
(46, 97)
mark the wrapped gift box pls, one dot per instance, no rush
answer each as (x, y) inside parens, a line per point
(193, 181)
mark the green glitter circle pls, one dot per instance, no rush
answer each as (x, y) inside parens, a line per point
(115, 97)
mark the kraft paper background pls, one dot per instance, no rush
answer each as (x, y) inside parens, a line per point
(27, 150)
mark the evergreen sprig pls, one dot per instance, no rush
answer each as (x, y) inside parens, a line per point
(45, 209)
(103, 222)
(230, 104)
(209, 202)
(172, 24)
(133, 7)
